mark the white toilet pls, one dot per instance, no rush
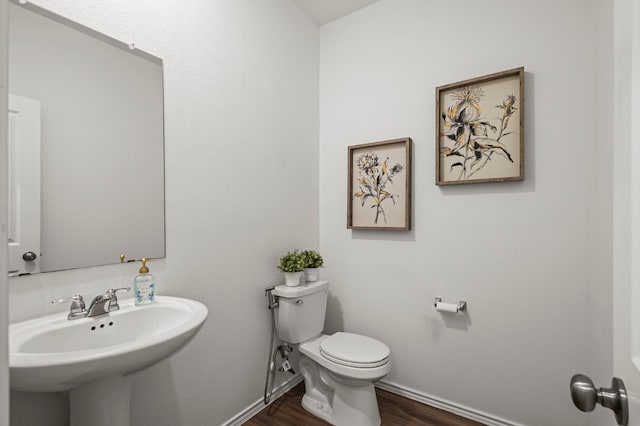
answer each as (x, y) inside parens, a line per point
(339, 370)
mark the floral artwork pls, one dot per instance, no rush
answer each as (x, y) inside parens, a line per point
(480, 130)
(379, 185)
(373, 179)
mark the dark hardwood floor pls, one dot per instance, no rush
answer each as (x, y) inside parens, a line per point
(395, 410)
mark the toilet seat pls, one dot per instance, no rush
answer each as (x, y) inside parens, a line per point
(354, 350)
(311, 349)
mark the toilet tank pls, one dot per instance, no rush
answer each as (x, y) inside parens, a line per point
(300, 314)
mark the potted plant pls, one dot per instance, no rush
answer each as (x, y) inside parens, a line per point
(292, 265)
(312, 263)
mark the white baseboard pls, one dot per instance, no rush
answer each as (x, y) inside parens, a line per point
(452, 407)
(258, 406)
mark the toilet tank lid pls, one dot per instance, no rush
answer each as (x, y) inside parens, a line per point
(300, 290)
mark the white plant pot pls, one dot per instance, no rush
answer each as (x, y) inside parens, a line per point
(312, 274)
(292, 279)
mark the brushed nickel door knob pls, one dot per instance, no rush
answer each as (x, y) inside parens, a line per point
(29, 256)
(585, 396)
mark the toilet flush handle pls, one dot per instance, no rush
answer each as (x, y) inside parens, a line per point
(299, 302)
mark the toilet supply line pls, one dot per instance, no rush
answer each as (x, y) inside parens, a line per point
(284, 350)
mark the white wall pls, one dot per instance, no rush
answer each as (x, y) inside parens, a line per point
(4, 316)
(241, 99)
(526, 256)
(241, 108)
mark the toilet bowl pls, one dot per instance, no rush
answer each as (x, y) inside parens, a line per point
(340, 389)
(339, 370)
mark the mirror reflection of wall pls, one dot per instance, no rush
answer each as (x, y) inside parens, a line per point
(102, 140)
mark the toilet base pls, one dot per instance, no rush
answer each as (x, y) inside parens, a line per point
(338, 400)
(318, 408)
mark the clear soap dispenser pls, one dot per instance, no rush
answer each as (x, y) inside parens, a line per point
(144, 286)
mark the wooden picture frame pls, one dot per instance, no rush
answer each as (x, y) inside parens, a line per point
(379, 185)
(480, 129)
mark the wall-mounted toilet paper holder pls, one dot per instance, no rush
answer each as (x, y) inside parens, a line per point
(449, 307)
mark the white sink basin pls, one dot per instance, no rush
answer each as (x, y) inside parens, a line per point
(52, 353)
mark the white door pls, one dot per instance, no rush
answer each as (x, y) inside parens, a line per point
(625, 143)
(24, 185)
(626, 232)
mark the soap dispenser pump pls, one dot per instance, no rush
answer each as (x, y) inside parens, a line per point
(144, 286)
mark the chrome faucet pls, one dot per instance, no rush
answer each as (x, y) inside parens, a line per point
(100, 305)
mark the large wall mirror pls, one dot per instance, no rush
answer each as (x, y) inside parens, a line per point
(86, 146)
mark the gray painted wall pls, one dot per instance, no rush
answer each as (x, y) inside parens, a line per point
(540, 261)
(241, 106)
(532, 259)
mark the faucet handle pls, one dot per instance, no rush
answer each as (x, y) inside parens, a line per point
(75, 299)
(113, 291)
(77, 305)
(113, 302)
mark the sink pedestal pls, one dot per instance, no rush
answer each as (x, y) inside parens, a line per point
(104, 402)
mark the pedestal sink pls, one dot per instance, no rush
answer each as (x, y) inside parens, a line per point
(93, 357)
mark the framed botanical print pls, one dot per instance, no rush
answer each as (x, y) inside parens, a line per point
(379, 185)
(480, 129)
